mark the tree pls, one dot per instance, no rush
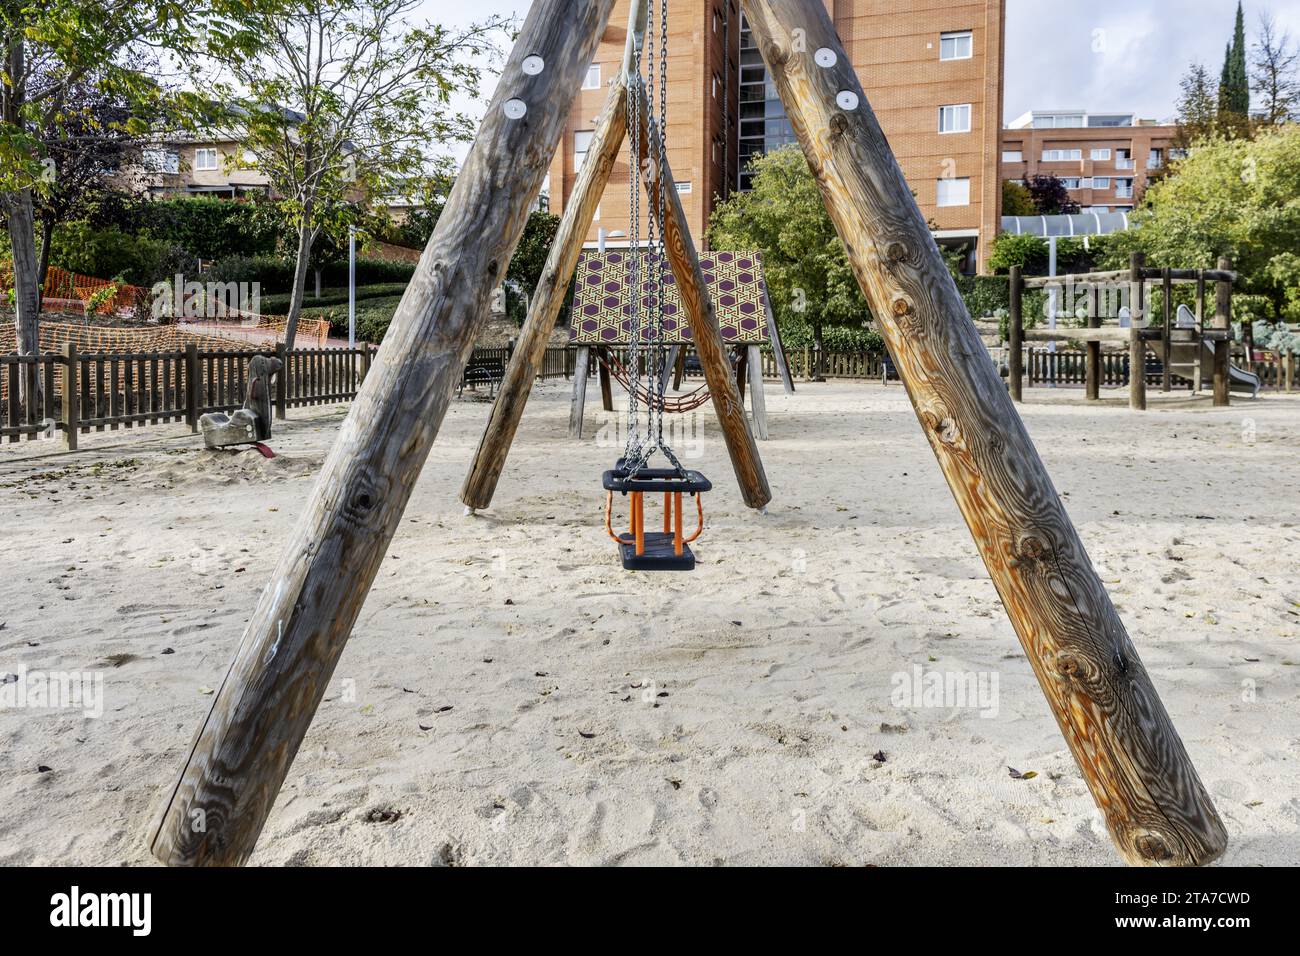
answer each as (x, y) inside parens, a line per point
(340, 103)
(1017, 200)
(1234, 83)
(93, 139)
(1050, 196)
(1198, 107)
(46, 50)
(1274, 74)
(1233, 197)
(784, 217)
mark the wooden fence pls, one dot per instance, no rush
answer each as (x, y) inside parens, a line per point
(85, 391)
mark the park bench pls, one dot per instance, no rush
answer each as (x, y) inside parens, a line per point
(483, 371)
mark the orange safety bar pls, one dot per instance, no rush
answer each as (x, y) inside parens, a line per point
(672, 520)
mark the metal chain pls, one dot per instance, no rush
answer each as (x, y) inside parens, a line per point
(648, 262)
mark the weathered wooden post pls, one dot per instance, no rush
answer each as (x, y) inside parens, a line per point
(1016, 335)
(603, 357)
(1167, 330)
(193, 386)
(242, 752)
(757, 399)
(281, 382)
(705, 331)
(1137, 349)
(578, 406)
(71, 393)
(1104, 702)
(1092, 361)
(552, 289)
(1223, 347)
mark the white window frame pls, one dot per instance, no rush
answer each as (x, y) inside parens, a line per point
(1077, 180)
(684, 187)
(1101, 182)
(956, 111)
(201, 154)
(587, 82)
(1100, 154)
(1062, 155)
(580, 155)
(1007, 155)
(956, 35)
(939, 192)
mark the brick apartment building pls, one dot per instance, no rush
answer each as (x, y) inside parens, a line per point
(932, 72)
(1103, 158)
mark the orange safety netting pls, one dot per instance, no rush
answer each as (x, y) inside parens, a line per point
(63, 289)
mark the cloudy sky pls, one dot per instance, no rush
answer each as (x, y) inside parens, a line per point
(1102, 55)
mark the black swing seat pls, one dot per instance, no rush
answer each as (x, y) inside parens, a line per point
(659, 553)
(654, 480)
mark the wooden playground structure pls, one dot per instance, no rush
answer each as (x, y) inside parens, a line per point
(1155, 806)
(1198, 351)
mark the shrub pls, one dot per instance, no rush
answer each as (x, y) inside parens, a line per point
(275, 275)
(113, 254)
(210, 228)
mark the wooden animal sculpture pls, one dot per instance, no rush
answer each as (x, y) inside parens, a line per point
(252, 423)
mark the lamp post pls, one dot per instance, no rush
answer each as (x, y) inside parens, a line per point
(352, 287)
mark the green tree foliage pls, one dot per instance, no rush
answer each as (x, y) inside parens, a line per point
(783, 216)
(1234, 83)
(1198, 105)
(1234, 197)
(1017, 200)
(342, 102)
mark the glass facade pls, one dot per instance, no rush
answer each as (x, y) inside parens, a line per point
(763, 123)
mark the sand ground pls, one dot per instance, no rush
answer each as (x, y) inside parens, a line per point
(510, 695)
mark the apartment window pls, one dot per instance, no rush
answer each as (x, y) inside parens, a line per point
(1155, 159)
(683, 189)
(205, 159)
(1123, 189)
(953, 192)
(1071, 182)
(954, 119)
(1101, 182)
(955, 46)
(1012, 156)
(1061, 155)
(162, 161)
(1124, 159)
(581, 143)
(1177, 154)
(592, 80)
(1058, 121)
(1101, 154)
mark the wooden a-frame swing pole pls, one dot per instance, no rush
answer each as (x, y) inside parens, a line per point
(490, 458)
(705, 331)
(242, 752)
(485, 471)
(1155, 806)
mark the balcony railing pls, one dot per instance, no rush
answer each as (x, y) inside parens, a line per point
(1125, 164)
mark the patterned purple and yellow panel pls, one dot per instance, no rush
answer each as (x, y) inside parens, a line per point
(602, 300)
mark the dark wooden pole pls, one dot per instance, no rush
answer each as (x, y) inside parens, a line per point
(1104, 702)
(1167, 331)
(1092, 371)
(1223, 348)
(705, 331)
(233, 771)
(1016, 360)
(552, 290)
(71, 394)
(1137, 349)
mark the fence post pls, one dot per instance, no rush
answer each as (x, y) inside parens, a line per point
(366, 360)
(281, 382)
(192, 387)
(71, 393)
(1223, 349)
(1137, 350)
(1092, 363)
(1016, 335)
(1167, 333)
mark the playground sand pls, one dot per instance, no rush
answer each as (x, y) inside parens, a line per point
(510, 695)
